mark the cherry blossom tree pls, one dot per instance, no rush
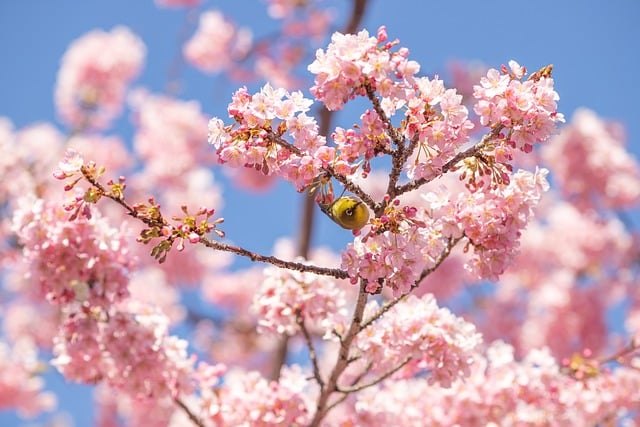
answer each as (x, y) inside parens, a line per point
(487, 245)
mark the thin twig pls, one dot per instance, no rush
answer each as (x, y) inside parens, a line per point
(312, 351)
(291, 265)
(377, 380)
(197, 421)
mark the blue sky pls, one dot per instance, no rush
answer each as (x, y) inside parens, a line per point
(593, 45)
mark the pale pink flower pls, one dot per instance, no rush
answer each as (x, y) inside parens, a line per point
(28, 156)
(169, 135)
(84, 260)
(129, 348)
(500, 391)
(286, 296)
(589, 162)
(28, 318)
(217, 43)
(438, 343)
(526, 110)
(21, 389)
(94, 75)
(248, 399)
(492, 220)
(110, 151)
(253, 142)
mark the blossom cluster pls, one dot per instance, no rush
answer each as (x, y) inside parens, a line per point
(129, 348)
(20, 388)
(500, 391)
(493, 220)
(591, 165)
(94, 75)
(526, 109)
(216, 43)
(286, 299)
(395, 258)
(179, 127)
(402, 245)
(251, 400)
(86, 260)
(257, 141)
(423, 336)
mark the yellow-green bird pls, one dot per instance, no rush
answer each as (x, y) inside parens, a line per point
(348, 212)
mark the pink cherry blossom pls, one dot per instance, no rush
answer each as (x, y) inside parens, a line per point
(95, 72)
(248, 399)
(20, 387)
(492, 221)
(130, 349)
(525, 109)
(500, 391)
(217, 43)
(433, 338)
(591, 165)
(285, 298)
(256, 140)
(85, 260)
(176, 126)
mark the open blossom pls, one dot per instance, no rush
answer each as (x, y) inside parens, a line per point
(20, 387)
(130, 349)
(537, 303)
(84, 260)
(94, 75)
(286, 295)
(216, 43)
(526, 109)
(591, 165)
(492, 220)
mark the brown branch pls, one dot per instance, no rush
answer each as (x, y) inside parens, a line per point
(357, 14)
(381, 378)
(197, 421)
(312, 351)
(291, 265)
(342, 360)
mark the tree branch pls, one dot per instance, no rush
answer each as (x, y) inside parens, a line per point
(197, 421)
(381, 378)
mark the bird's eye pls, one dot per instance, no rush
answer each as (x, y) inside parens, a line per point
(348, 212)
